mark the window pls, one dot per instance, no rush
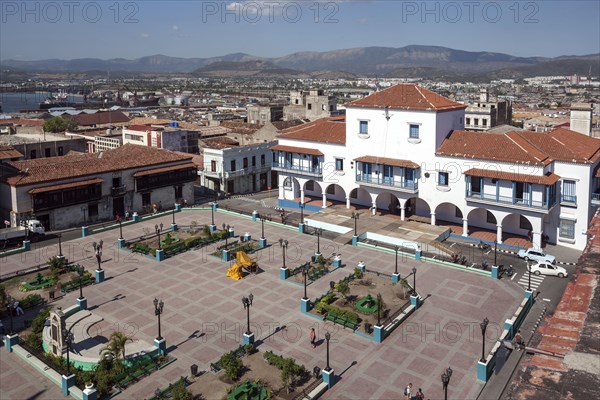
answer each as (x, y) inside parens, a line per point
(146, 200)
(525, 224)
(232, 165)
(287, 183)
(178, 192)
(309, 106)
(262, 159)
(443, 178)
(253, 161)
(484, 122)
(414, 131)
(567, 229)
(93, 210)
(324, 107)
(32, 154)
(60, 150)
(354, 194)
(568, 191)
(339, 164)
(467, 121)
(245, 162)
(458, 213)
(364, 127)
(47, 152)
(213, 166)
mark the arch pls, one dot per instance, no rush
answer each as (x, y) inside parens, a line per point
(417, 206)
(360, 196)
(290, 187)
(482, 218)
(517, 224)
(312, 188)
(388, 201)
(333, 191)
(448, 212)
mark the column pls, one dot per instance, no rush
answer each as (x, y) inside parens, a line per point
(402, 213)
(302, 196)
(374, 208)
(324, 201)
(499, 233)
(465, 227)
(537, 240)
(433, 219)
(347, 202)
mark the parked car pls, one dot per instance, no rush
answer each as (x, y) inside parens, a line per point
(545, 268)
(536, 255)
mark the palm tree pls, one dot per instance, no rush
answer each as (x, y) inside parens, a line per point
(116, 346)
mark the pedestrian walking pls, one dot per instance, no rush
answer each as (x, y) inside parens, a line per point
(313, 337)
(407, 391)
(419, 395)
(18, 309)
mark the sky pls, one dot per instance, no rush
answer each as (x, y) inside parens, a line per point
(66, 29)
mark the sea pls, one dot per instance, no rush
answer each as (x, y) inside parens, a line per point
(13, 102)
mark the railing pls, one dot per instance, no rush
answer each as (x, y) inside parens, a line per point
(387, 181)
(297, 168)
(596, 197)
(568, 198)
(507, 200)
(255, 169)
(118, 190)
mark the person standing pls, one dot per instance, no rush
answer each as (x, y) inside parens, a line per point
(407, 391)
(419, 395)
(313, 337)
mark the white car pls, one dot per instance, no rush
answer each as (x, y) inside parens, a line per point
(536, 255)
(545, 268)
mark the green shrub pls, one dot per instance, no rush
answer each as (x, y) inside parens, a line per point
(231, 364)
(31, 300)
(37, 323)
(358, 273)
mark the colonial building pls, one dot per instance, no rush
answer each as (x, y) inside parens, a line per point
(312, 105)
(171, 137)
(405, 150)
(77, 189)
(485, 114)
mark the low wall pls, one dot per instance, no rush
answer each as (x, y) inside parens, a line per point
(326, 226)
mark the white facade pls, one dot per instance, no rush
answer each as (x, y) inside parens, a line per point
(385, 168)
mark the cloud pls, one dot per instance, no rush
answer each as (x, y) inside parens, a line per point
(145, 35)
(175, 28)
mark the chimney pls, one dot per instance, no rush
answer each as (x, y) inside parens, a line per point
(581, 118)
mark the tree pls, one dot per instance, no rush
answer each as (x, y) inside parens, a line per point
(60, 124)
(342, 288)
(116, 347)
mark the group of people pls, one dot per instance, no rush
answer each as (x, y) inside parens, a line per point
(409, 395)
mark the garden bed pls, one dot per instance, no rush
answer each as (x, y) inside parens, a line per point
(248, 247)
(176, 242)
(316, 269)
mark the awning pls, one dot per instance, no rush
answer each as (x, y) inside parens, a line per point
(164, 169)
(299, 150)
(66, 186)
(549, 179)
(394, 162)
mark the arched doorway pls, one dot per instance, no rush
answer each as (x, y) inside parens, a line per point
(416, 206)
(387, 201)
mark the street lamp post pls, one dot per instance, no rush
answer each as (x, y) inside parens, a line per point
(495, 253)
(173, 215)
(68, 340)
(247, 302)
(158, 310)
(10, 307)
(483, 325)
(528, 277)
(98, 250)
(262, 226)
(396, 267)
(414, 271)
(120, 230)
(327, 339)
(158, 229)
(305, 275)
(60, 254)
(301, 205)
(318, 232)
(212, 214)
(226, 229)
(446, 380)
(355, 216)
(379, 301)
(284, 244)
(80, 270)
(84, 210)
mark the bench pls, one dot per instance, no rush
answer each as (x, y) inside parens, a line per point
(215, 368)
(341, 321)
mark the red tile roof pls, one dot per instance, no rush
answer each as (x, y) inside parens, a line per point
(549, 179)
(66, 186)
(23, 122)
(299, 150)
(164, 169)
(75, 165)
(387, 161)
(524, 147)
(139, 128)
(407, 97)
(100, 118)
(330, 130)
(8, 152)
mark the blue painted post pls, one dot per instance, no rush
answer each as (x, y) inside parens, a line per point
(161, 345)
(301, 228)
(82, 303)
(328, 377)
(85, 231)
(136, 217)
(361, 266)
(225, 255)
(395, 278)
(10, 341)
(121, 243)
(99, 275)
(26, 245)
(67, 382)
(262, 243)
(337, 262)
(378, 333)
(495, 272)
(284, 273)
(231, 233)
(355, 240)
(249, 338)
(247, 237)
(305, 305)
(415, 301)
(89, 393)
(508, 325)
(418, 255)
(212, 228)
(177, 207)
(160, 255)
(482, 375)
(254, 215)
(174, 227)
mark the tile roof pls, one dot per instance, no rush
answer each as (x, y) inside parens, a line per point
(164, 169)
(8, 152)
(241, 127)
(523, 147)
(218, 143)
(330, 130)
(75, 165)
(407, 97)
(66, 185)
(157, 121)
(387, 161)
(100, 118)
(549, 179)
(139, 128)
(23, 122)
(299, 150)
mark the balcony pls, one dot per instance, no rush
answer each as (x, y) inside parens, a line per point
(315, 172)
(256, 169)
(118, 191)
(526, 204)
(568, 200)
(387, 182)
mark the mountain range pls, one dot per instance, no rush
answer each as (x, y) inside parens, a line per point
(433, 61)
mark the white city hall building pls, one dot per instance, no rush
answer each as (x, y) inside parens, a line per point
(404, 150)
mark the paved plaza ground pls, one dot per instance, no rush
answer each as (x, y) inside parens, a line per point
(204, 317)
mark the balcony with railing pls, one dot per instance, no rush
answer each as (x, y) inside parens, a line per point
(512, 202)
(118, 191)
(568, 200)
(254, 169)
(388, 182)
(315, 171)
(596, 197)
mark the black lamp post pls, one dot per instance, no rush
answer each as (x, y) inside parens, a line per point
(212, 214)
(60, 254)
(327, 339)
(355, 218)
(414, 271)
(247, 302)
(396, 267)
(301, 205)
(445, 380)
(263, 218)
(284, 244)
(319, 232)
(305, 275)
(120, 230)
(173, 215)
(84, 210)
(158, 309)
(528, 277)
(226, 229)
(98, 250)
(379, 301)
(80, 270)
(158, 230)
(483, 325)
(68, 340)
(10, 307)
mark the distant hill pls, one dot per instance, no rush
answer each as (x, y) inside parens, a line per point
(230, 69)
(409, 61)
